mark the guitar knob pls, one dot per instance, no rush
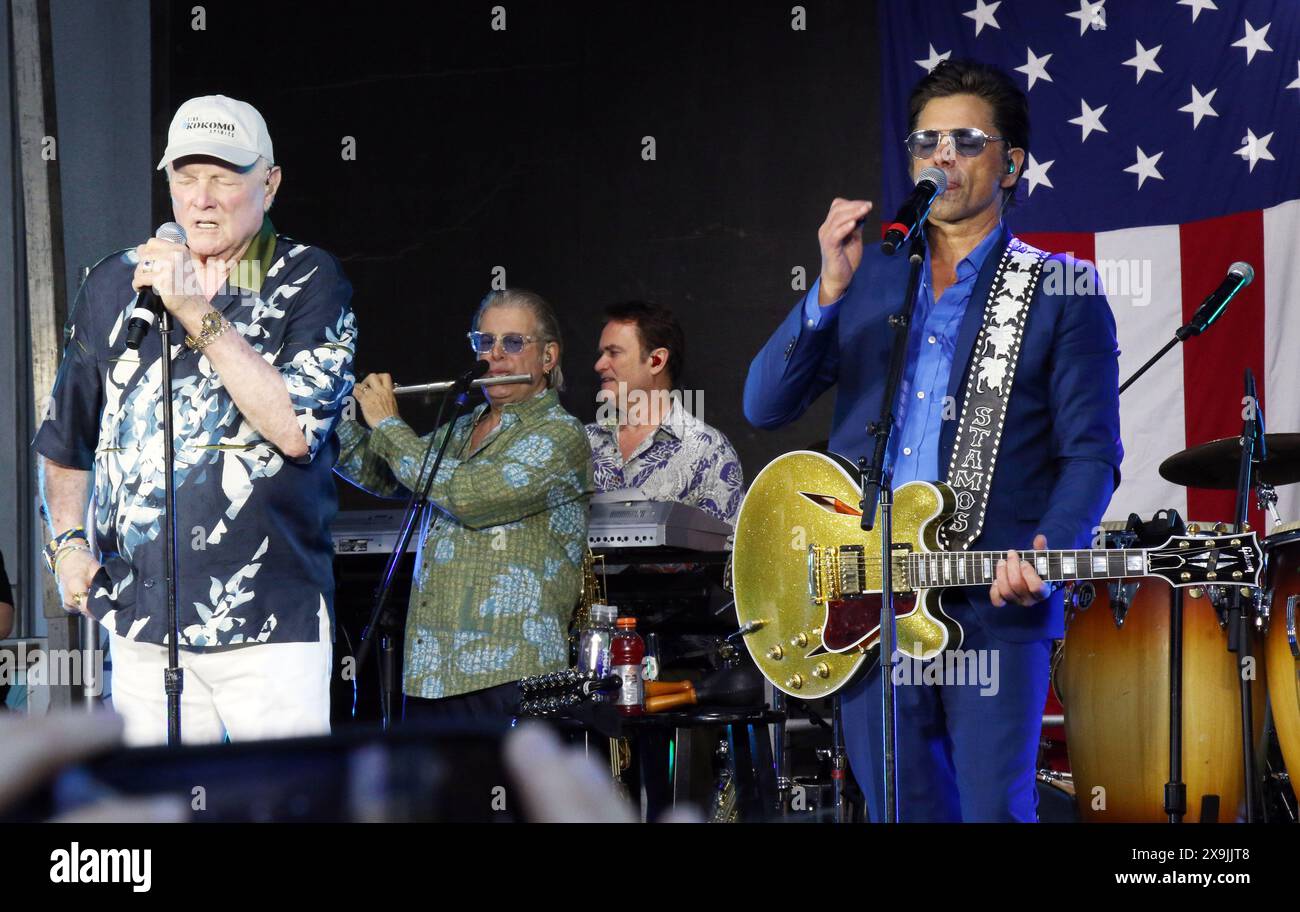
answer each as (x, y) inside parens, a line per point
(794, 682)
(1193, 528)
(1184, 576)
(1220, 528)
(799, 640)
(1196, 592)
(776, 652)
(1236, 574)
(821, 670)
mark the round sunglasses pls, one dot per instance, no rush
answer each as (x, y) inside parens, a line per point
(511, 343)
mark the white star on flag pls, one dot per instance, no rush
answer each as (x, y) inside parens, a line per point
(1036, 173)
(1090, 13)
(1144, 60)
(1295, 83)
(1255, 148)
(1199, 107)
(1035, 68)
(983, 14)
(1253, 40)
(1197, 6)
(933, 60)
(1145, 167)
(1090, 119)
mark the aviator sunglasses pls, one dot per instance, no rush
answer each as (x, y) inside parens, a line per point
(968, 141)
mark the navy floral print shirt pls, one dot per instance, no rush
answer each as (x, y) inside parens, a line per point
(254, 556)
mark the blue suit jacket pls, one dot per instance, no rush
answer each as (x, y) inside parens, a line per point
(1059, 460)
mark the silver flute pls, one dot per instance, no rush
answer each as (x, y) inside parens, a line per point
(443, 385)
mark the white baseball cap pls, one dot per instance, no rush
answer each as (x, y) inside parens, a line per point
(221, 127)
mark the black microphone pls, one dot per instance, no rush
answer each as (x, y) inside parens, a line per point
(929, 184)
(465, 380)
(1239, 276)
(147, 303)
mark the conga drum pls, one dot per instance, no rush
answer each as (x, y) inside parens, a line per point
(1114, 682)
(1282, 646)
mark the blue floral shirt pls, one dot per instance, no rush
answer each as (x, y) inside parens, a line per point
(254, 558)
(684, 460)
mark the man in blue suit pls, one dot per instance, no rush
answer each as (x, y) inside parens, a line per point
(965, 751)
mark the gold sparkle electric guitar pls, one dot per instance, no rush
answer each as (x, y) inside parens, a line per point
(807, 579)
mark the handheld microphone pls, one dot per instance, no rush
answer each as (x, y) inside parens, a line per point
(930, 183)
(1239, 276)
(147, 303)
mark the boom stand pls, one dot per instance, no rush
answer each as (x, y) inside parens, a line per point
(419, 497)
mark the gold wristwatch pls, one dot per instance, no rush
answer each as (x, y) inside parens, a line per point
(211, 326)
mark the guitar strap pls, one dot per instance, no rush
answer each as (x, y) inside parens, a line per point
(988, 389)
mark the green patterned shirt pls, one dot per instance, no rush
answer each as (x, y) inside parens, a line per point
(499, 569)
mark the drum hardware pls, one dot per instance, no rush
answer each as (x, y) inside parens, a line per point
(1121, 596)
(1290, 625)
(1263, 610)
(1115, 689)
(1057, 779)
(1215, 464)
(1218, 597)
(1282, 648)
(1266, 500)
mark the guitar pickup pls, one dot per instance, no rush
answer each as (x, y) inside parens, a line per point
(825, 574)
(852, 571)
(901, 553)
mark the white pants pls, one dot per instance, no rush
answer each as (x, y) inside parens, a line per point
(255, 691)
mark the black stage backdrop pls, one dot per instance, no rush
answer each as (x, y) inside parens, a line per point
(426, 147)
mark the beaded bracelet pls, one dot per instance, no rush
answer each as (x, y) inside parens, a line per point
(67, 549)
(56, 544)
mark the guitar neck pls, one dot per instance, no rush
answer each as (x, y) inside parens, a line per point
(979, 568)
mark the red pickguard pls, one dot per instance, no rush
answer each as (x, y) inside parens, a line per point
(851, 621)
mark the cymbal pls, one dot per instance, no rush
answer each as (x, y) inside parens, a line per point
(1215, 464)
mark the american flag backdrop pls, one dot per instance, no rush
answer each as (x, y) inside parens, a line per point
(1165, 145)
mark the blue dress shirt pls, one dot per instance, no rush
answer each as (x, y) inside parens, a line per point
(919, 414)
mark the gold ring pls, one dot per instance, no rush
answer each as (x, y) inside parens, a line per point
(79, 598)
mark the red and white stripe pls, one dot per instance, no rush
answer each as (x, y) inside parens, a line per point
(1195, 393)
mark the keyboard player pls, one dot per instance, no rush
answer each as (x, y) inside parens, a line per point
(645, 435)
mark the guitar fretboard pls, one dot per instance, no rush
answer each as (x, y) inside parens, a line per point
(979, 568)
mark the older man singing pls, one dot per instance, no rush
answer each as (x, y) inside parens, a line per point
(256, 389)
(499, 568)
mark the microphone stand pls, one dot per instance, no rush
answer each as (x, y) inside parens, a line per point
(173, 675)
(877, 487)
(1175, 790)
(414, 509)
(1194, 327)
(1175, 796)
(1240, 603)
